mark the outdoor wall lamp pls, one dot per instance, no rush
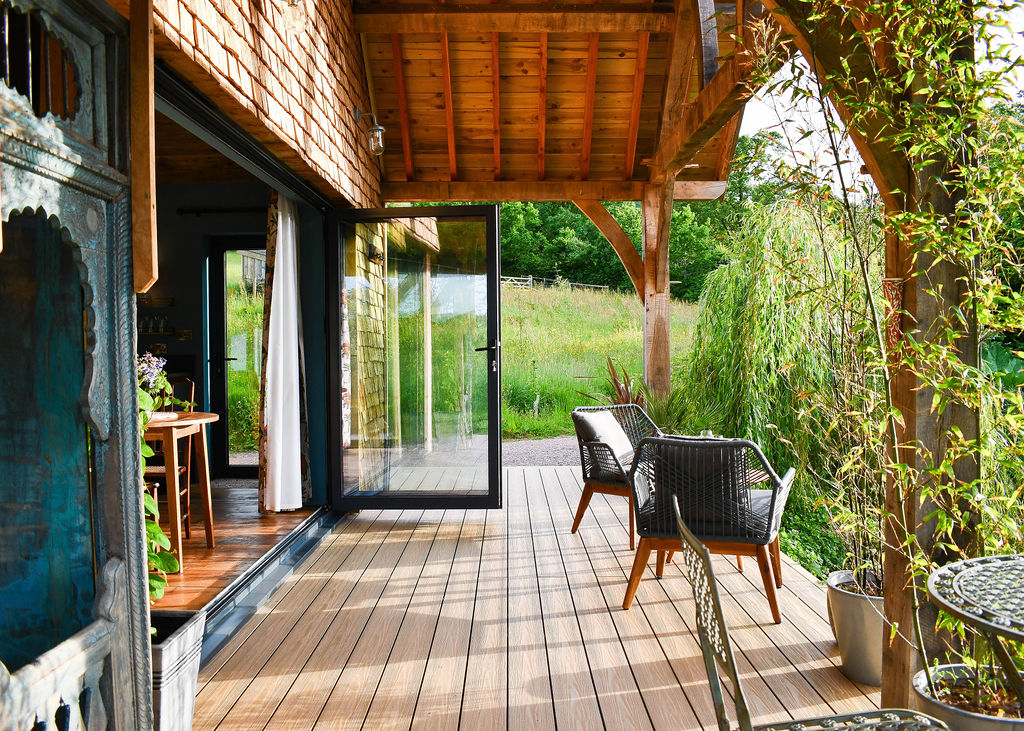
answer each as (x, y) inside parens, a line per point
(375, 254)
(375, 132)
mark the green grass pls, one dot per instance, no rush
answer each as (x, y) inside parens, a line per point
(555, 342)
(243, 318)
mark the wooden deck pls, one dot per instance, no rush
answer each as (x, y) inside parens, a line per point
(503, 619)
(243, 535)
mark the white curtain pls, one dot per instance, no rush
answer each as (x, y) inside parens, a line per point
(283, 489)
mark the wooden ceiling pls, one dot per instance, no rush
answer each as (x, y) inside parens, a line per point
(503, 100)
(181, 157)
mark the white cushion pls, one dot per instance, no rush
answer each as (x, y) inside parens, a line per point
(601, 426)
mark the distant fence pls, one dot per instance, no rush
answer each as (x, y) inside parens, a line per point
(531, 282)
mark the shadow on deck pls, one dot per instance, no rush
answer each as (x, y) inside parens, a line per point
(503, 619)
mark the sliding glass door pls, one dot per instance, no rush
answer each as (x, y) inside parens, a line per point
(416, 358)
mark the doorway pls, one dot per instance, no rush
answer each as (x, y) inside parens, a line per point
(416, 358)
(238, 271)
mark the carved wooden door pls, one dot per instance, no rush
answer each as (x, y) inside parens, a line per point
(74, 649)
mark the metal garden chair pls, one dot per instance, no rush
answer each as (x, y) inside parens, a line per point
(730, 497)
(717, 651)
(606, 452)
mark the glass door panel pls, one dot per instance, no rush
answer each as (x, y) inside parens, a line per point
(238, 277)
(418, 358)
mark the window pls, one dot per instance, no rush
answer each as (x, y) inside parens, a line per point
(35, 64)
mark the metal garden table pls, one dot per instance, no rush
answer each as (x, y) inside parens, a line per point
(988, 594)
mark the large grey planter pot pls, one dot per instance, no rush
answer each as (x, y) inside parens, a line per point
(857, 623)
(955, 718)
(176, 667)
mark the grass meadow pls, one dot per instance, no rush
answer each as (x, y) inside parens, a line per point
(555, 342)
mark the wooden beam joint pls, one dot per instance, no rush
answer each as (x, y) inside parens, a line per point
(619, 240)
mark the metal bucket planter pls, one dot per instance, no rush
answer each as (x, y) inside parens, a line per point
(956, 718)
(857, 624)
(176, 655)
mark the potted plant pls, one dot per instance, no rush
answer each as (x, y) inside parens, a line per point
(177, 637)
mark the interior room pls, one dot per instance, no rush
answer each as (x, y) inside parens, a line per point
(205, 317)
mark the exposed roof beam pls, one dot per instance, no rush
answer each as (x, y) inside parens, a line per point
(449, 110)
(619, 240)
(713, 108)
(639, 75)
(708, 40)
(403, 105)
(496, 106)
(588, 106)
(730, 136)
(503, 17)
(678, 63)
(545, 190)
(542, 105)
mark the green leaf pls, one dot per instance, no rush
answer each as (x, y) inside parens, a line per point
(164, 561)
(157, 583)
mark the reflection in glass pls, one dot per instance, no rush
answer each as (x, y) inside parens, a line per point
(414, 388)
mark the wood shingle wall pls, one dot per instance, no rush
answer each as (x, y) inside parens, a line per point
(289, 75)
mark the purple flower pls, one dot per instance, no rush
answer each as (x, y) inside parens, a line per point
(149, 369)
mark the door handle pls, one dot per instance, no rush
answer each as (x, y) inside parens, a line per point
(493, 348)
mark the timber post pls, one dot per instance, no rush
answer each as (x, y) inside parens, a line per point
(657, 218)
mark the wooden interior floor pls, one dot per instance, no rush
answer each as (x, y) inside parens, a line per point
(242, 536)
(503, 619)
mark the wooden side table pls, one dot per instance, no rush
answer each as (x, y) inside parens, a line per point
(171, 427)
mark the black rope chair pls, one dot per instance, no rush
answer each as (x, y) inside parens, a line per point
(730, 497)
(606, 463)
(717, 651)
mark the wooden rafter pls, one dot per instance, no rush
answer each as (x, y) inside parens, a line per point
(639, 74)
(835, 50)
(496, 111)
(545, 190)
(143, 145)
(542, 105)
(588, 106)
(449, 109)
(403, 105)
(620, 241)
(708, 45)
(730, 136)
(524, 18)
(678, 65)
(716, 104)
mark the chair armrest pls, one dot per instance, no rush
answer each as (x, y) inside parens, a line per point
(780, 497)
(598, 457)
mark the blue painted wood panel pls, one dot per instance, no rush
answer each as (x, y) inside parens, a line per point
(47, 573)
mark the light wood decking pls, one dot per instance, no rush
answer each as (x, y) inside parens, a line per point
(503, 619)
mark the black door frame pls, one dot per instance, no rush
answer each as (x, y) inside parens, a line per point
(216, 371)
(339, 224)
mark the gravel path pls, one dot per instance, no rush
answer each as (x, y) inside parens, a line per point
(540, 452)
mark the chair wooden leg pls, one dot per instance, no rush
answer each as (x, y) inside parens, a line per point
(187, 511)
(669, 555)
(773, 548)
(643, 552)
(660, 570)
(739, 563)
(632, 525)
(764, 562)
(588, 492)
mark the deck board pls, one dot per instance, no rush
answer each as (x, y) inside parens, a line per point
(504, 619)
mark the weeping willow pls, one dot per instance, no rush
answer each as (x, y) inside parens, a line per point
(783, 352)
